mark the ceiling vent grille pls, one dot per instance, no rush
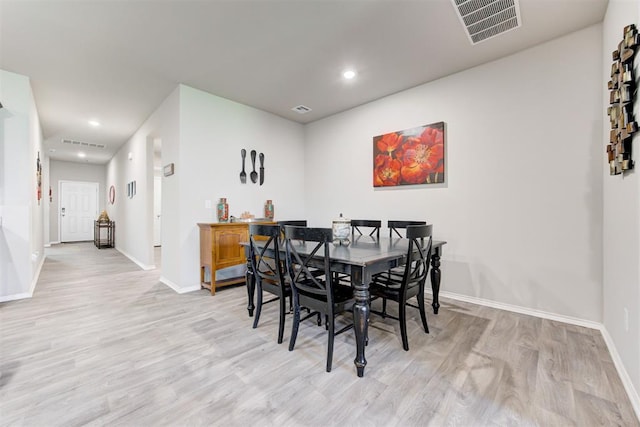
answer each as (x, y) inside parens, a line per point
(301, 109)
(83, 144)
(484, 19)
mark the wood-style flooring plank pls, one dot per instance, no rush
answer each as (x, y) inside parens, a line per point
(104, 343)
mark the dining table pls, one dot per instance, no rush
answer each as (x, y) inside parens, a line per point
(361, 259)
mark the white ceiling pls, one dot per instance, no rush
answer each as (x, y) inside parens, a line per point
(116, 61)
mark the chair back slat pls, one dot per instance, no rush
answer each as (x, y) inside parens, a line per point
(394, 226)
(374, 225)
(293, 222)
(418, 256)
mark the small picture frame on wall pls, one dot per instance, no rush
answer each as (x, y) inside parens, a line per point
(131, 189)
(168, 169)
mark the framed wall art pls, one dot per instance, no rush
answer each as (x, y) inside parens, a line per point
(131, 189)
(409, 157)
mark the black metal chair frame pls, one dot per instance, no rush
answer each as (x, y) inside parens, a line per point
(268, 271)
(368, 223)
(410, 284)
(319, 294)
(395, 225)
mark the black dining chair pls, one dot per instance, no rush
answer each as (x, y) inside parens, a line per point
(372, 225)
(317, 293)
(394, 230)
(297, 223)
(410, 284)
(268, 270)
(394, 226)
(371, 228)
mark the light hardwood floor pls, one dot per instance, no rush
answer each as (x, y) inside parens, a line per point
(103, 343)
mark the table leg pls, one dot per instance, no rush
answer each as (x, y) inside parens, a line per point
(435, 279)
(360, 318)
(250, 281)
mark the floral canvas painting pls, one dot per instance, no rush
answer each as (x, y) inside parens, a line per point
(409, 157)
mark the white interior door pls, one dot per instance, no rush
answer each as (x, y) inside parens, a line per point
(157, 210)
(78, 210)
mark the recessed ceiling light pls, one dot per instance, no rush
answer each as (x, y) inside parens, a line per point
(349, 74)
(94, 123)
(81, 154)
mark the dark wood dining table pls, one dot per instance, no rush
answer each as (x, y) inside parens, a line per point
(361, 259)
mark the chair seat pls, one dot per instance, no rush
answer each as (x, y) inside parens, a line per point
(276, 289)
(391, 290)
(342, 297)
(340, 293)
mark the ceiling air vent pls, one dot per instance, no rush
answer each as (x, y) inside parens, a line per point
(301, 109)
(484, 19)
(84, 144)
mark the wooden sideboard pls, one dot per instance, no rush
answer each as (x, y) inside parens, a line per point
(220, 248)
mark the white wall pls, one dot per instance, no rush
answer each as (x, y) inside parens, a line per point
(72, 171)
(133, 215)
(213, 130)
(202, 135)
(521, 207)
(21, 234)
(621, 213)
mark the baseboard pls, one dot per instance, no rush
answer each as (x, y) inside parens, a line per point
(176, 288)
(32, 288)
(14, 297)
(135, 261)
(522, 310)
(613, 351)
(36, 276)
(634, 397)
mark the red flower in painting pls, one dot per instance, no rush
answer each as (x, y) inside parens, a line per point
(389, 142)
(386, 171)
(422, 156)
(434, 139)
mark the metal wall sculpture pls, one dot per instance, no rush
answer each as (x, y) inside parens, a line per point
(622, 92)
